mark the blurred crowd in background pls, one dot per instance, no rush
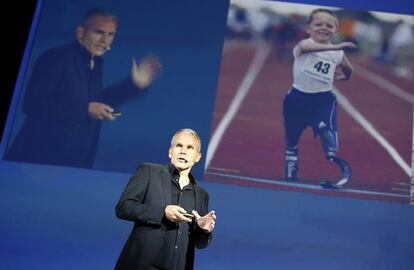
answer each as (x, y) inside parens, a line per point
(390, 43)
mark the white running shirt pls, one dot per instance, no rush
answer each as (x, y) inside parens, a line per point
(314, 72)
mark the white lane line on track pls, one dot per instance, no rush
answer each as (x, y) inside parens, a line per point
(401, 190)
(401, 183)
(399, 92)
(256, 65)
(307, 186)
(383, 83)
(360, 119)
(412, 166)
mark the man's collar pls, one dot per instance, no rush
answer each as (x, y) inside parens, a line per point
(175, 172)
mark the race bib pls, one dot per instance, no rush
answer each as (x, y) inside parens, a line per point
(319, 69)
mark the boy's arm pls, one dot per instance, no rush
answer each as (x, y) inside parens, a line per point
(344, 70)
(305, 46)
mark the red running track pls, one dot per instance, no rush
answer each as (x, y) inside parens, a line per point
(250, 151)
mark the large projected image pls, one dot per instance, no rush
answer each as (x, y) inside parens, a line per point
(105, 88)
(357, 146)
(65, 217)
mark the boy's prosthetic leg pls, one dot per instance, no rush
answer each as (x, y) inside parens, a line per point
(329, 142)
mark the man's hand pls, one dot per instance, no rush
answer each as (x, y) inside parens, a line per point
(144, 73)
(175, 213)
(207, 222)
(100, 111)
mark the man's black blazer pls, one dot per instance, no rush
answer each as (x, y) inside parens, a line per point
(143, 201)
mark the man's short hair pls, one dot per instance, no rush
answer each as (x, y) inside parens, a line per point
(89, 14)
(192, 132)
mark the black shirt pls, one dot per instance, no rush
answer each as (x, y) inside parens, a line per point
(174, 251)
